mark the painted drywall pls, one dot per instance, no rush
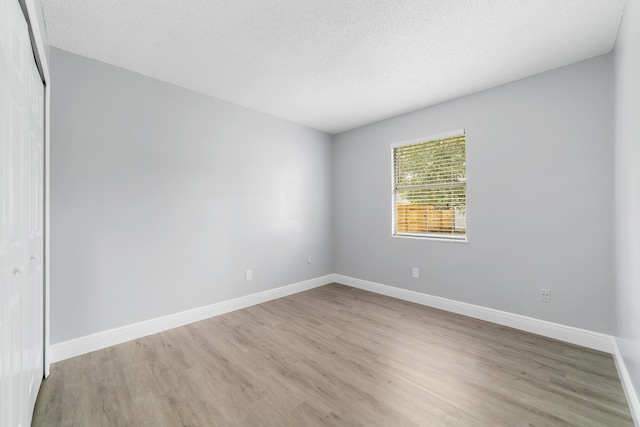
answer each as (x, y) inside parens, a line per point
(162, 198)
(540, 199)
(627, 185)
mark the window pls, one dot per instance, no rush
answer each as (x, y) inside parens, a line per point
(430, 188)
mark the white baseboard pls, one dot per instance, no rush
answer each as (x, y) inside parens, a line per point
(583, 337)
(100, 340)
(627, 385)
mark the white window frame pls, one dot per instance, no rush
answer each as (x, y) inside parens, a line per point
(426, 236)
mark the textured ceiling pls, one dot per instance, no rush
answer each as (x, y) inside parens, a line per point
(335, 64)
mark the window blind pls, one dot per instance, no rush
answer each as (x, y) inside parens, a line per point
(429, 188)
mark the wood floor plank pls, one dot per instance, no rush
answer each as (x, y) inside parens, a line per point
(339, 356)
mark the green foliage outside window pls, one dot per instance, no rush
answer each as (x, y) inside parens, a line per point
(432, 173)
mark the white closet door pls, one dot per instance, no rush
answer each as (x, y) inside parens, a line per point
(34, 325)
(21, 215)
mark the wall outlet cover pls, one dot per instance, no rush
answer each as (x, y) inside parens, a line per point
(545, 295)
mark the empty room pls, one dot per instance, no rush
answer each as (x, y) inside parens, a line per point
(297, 213)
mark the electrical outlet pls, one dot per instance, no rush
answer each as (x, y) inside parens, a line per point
(248, 275)
(415, 272)
(545, 295)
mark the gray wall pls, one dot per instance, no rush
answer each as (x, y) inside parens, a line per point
(162, 198)
(627, 55)
(540, 199)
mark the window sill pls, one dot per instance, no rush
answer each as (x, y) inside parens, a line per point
(431, 237)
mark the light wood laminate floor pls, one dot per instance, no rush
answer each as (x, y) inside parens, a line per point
(336, 355)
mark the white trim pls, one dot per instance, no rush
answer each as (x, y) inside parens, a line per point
(583, 337)
(435, 237)
(627, 385)
(100, 340)
(47, 225)
(432, 237)
(40, 41)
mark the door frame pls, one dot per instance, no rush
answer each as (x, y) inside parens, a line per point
(35, 22)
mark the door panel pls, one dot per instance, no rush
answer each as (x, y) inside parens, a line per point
(34, 325)
(21, 219)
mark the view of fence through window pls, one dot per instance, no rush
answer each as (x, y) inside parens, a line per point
(430, 186)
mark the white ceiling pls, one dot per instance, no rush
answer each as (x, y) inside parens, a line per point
(335, 64)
